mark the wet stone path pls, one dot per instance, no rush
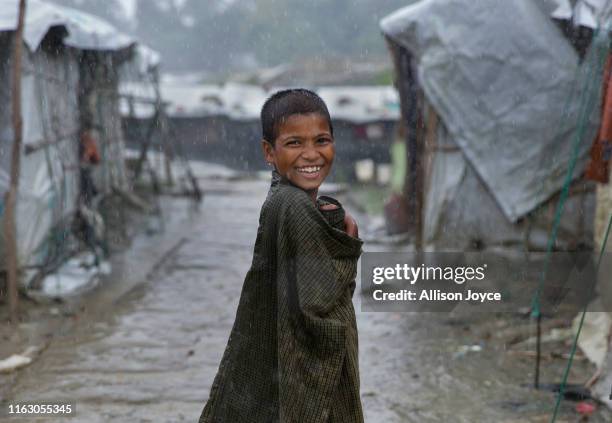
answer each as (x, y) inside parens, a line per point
(153, 357)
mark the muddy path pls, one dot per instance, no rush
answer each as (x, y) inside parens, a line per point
(151, 355)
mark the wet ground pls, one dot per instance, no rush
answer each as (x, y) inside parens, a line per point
(151, 355)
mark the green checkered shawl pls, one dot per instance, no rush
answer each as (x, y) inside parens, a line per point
(292, 353)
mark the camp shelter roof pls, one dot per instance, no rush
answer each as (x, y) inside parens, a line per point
(500, 75)
(361, 104)
(237, 101)
(145, 58)
(192, 99)
(589, 13)
(85, 31)
(243, 101)
(358, 104)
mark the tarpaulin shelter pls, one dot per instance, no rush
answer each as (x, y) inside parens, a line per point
(364, 119)
(217, 123)
(221, 123)
(489, 95)
(588, 13)
(69, 73)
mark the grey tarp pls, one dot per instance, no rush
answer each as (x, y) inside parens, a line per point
(85, 31)
(452, 219)
(48, 184)
(500, 74)
(589, 13)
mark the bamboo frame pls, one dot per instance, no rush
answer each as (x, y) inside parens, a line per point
(11, 197)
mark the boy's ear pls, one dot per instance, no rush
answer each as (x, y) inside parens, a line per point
(268, 151)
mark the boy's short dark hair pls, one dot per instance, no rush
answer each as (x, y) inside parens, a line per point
(282, 104)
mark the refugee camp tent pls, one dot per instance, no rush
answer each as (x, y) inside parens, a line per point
(589, 13)
(70, 73)
(220, 123)
(217, 123)
(495, 86)
(364, 119)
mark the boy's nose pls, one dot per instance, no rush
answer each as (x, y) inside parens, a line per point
(310, 153)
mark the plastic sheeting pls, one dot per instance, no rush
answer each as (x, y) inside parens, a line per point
(48, 187)
(589, 13)
(500, 75)
(361, 104)
(48, 184)
(85, 31)
(357, 104)
(461, 213)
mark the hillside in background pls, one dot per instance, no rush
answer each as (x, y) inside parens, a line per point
(217, 35)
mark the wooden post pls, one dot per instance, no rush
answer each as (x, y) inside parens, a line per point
(144, 148)
(166, 142)
(10, 232)
(410, 105)
(197, 192)
(163, 128)
(419, 171)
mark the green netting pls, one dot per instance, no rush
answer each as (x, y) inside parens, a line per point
(588, 100)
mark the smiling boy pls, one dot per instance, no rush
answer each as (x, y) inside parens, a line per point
(292, 353)
(303, 152)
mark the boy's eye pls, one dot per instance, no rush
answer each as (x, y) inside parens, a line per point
(292, 142)
(324, 141)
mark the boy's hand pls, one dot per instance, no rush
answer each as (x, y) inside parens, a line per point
(328, 207)
(350, 225)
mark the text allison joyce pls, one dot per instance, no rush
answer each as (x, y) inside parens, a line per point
(435, 295)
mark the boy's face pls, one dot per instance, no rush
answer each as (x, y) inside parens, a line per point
(303, 151)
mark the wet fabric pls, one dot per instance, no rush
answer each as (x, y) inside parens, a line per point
(88, 151)
(292, 353)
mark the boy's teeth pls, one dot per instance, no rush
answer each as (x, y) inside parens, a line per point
(309, 169)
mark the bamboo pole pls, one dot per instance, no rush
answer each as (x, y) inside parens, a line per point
(144, 148)
(410, 106)
(10, 231)
(419, 171)
(163, 129)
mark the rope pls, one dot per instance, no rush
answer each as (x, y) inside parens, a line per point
(575, 342)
